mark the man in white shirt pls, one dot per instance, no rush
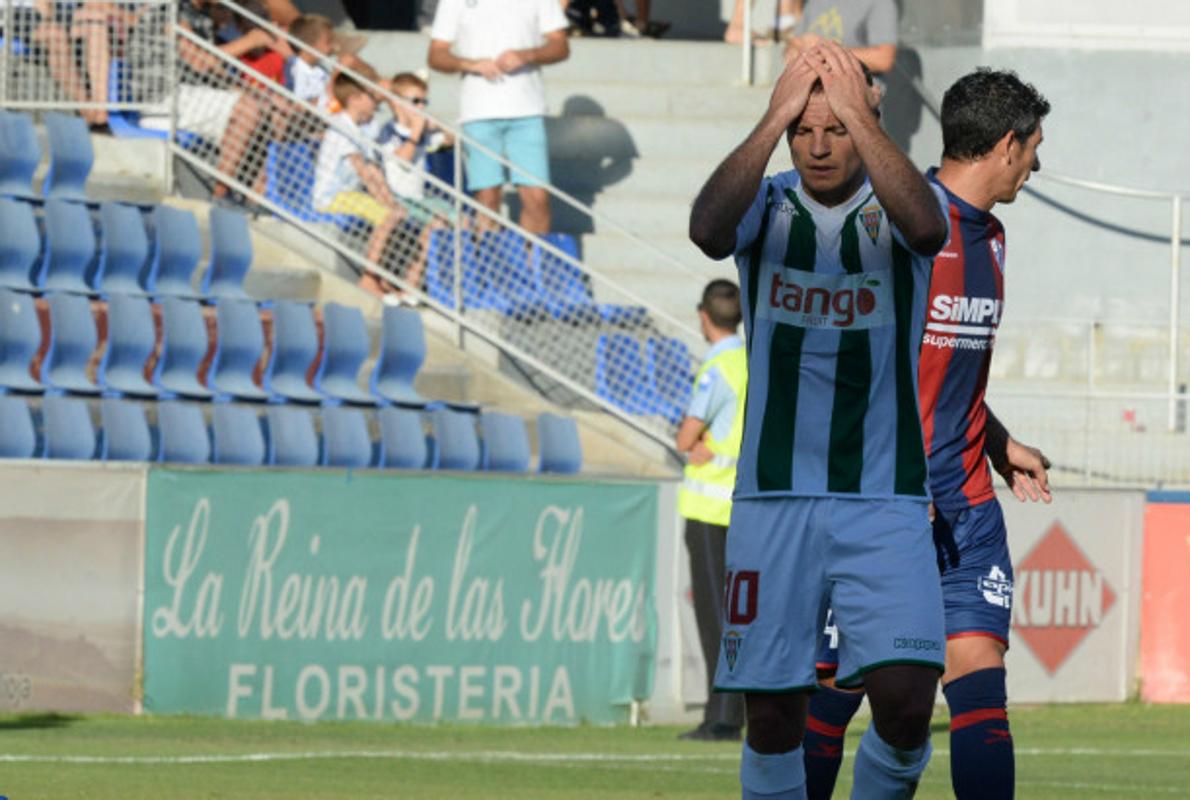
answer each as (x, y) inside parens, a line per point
(499, 47)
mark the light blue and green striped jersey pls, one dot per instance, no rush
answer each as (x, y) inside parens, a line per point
(834, 309)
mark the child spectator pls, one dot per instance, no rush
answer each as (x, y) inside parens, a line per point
(305, 75)
(349, 179)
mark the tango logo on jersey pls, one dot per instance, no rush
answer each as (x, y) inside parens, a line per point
(854, 301)
(1061, 598)
(732, 641)
(871, 217)
(996, 588)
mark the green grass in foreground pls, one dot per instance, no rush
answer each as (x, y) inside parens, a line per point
(1117, 751)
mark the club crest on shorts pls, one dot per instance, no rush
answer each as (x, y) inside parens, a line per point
(871, 218)
(996, 588)
(732, 641)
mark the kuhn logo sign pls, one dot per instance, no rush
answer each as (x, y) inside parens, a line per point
(854, 301)
(1061, 598)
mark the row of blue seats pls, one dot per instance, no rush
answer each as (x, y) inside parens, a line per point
(71, 156)
(63, 428)
(239, 348)
(657, 381)
(65, 246)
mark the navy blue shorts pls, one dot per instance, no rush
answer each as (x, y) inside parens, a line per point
(973, 558)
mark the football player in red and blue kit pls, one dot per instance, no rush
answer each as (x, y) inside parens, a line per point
(991, 128)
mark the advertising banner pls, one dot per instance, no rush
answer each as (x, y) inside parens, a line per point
(70, 546)
(1165, 610)
(288, 595)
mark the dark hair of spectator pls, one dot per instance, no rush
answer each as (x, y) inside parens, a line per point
(721, 301)
(346, 87)
(984, 105)
(309, 28)
(404, 80)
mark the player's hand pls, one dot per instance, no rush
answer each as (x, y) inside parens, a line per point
(700, 454)
(843, 81)
(511, 60)
(800, 44)
(488, 68)
(1024, 469)
(791, 92)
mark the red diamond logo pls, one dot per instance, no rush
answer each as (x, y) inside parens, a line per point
(1060, 597)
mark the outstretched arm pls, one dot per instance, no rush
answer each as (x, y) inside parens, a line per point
(901, 189)
(1023, 468)
(732, 187)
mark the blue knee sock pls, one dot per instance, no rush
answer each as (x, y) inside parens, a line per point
(772, 777)
(882, 772)
(982, 765)
(830, 711)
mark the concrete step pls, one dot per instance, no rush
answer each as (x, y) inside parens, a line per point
(652, 136)
(577, 98)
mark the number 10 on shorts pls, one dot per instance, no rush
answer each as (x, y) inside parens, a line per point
(741, 596)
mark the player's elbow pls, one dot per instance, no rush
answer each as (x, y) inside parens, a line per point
(715, 244)
(928, 237)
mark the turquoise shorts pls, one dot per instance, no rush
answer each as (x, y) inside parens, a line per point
(521, 141)
(788, 559)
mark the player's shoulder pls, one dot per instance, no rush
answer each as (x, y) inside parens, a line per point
(784, 181)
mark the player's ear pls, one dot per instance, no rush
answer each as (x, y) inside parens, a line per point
(1007, 147)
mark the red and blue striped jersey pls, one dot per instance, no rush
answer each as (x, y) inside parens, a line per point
(965, 305)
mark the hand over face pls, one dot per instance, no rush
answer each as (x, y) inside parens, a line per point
(843, 81)
(792, 90)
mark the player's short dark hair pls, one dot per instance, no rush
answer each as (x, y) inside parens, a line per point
(721, 301)
(982, 106)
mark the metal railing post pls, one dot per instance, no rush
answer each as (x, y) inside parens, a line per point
(8, 37)
(457, 258)
(1175, 303)
(746, 48)
(171, 85)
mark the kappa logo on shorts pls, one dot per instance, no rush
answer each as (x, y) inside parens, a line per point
(732, 642)
(911, 643)
(996, 588)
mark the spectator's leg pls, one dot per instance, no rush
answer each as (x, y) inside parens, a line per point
(60, 54)
(240, 129)
(91, 26)
(377, 244)
(535, 209)
(528, 151)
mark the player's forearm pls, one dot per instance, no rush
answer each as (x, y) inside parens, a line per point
(901, 189)
(730, 190)
(995, 442)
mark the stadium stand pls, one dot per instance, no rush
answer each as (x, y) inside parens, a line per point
(178, 247)
(19, 155)
(295, 349)
(69, 430)
(125, 433)
(558, 446)
(231, 255)
(237, 436)
(123, 249)
(505, 442)
(458, 444)
(183, 348)
(182, 433)
(345, 438)
(292, 441)
(18, 436)
(20, 338)
(69, 248)
(239, 347)
(344, 351)
(131, 340)
(71, 157)
(72, 341)
(20, 245)
(404, 443)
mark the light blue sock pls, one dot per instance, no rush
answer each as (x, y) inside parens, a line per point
(777, 777)
(882, 772)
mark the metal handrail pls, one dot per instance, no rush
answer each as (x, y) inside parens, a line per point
(457, 132)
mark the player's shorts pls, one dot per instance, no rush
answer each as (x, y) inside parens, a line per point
(521, 141)
(789, 559)
(971, 548)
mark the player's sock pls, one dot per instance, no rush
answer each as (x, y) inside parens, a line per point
(781, 776)
(882, 772)
(831, 710)
(982, 765)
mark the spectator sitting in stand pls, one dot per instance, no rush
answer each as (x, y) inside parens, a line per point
(868, 28)
(404, 143)
(349, 179)
(306, 75)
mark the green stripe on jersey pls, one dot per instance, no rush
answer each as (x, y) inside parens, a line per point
(755, 257)
(774, 457)
(853, 385)
(911, 456)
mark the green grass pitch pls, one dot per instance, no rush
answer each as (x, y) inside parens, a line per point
(1088, 751)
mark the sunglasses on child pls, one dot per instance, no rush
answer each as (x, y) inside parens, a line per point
(417, 101)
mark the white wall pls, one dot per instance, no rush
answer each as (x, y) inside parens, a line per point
(1162, 25)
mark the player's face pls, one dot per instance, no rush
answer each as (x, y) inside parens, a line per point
(1022, 162)
(824, 154)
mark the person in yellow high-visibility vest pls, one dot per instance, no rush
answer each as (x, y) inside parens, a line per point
(710, 436)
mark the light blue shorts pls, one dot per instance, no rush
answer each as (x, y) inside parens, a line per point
(788, 559)
(521, 141)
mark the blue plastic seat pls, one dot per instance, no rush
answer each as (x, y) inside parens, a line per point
(289, 182)
(345, 347)
(20, 245)
(505, 442)
(18, 436)
(292, 440)
(183, 348)
(238, 437)
(566, 289)
(183, 434)
(295, 346)
(477, 292)
(71, 156)
(509, 275)
(402, 352)
(178, 247)
(669, 363)
(69, 431)
(124, 249)
(126, 435)
(457, 442)
(19, 154)
(345, 438)
(403, 439)
(240, 344)
(621, 374)
(558, 446)
(20, 339)
(73, 340)
(231, 254)
(131, 339)
(69, 247)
